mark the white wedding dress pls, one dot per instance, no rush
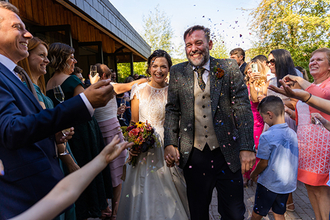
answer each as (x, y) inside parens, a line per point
(152, 190)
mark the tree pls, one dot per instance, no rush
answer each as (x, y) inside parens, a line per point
(219, 49)
(299, 26)
(124, 70)
(158, 31)
(158, 34)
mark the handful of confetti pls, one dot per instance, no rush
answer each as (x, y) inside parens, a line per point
(142, 135)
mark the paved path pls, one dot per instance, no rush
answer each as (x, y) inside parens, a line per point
(303, 208)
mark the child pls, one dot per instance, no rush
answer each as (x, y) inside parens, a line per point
(278, 166)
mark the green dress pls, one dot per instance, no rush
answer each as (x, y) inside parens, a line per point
(87, 143)
(69, 214)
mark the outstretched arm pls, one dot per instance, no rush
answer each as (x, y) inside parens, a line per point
(65, 192)
(314, 101)
(124, 87)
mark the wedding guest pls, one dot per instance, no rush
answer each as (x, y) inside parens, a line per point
(209, 127)
(314, 142)
(110, 127)
(78, 72)
(27, 140)
(257, 85)
(263, 60)
(87, 141)
(126, 113)
(150, 191)
(238, 54)
(66, 193)
(280, 63)
(127, 94)
(276, 172)
(136, 76)
(35, 66)
(113, 76)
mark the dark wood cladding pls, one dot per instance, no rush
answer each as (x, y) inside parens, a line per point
(49, 12)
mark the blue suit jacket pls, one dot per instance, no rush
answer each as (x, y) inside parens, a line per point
(27, 146)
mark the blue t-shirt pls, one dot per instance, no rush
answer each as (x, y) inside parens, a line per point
(279, 145)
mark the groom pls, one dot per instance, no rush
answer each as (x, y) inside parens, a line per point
(209, 128)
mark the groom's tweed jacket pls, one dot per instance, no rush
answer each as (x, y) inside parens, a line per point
(231, 111)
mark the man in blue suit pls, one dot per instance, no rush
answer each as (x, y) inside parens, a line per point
(27, 140)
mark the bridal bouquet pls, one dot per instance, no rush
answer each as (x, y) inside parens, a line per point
(142, 135)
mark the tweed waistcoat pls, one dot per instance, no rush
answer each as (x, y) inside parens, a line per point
(204, 130)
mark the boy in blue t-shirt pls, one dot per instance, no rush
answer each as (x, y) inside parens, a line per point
(278, 165)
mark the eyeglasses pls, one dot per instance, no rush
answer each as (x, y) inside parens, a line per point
(272, 61)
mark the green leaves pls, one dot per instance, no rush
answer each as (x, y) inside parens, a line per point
(158, 32)
(299, 26)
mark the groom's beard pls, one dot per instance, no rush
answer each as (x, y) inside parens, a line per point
(200, 61)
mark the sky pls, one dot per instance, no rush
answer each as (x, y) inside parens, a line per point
(224, 18)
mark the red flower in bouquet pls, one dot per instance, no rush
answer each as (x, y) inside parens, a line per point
(134, 132)
(142, 135)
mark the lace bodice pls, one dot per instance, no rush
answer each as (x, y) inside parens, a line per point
(152, 103)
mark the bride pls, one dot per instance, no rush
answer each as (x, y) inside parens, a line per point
(151, 189)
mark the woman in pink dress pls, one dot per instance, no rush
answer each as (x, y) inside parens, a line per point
(255, 79)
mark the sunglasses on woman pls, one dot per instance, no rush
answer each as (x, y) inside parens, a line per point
(272, 61)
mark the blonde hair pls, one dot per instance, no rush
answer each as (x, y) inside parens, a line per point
(261, 68)
(247, 77)
(33, 44)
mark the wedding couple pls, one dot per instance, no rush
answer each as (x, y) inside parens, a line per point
(206, 129)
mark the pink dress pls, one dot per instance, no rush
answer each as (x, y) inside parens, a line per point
(107, 119)
(313, 140)
(314, 149)
(258, 126)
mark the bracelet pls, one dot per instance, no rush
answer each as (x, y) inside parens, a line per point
(310, 96)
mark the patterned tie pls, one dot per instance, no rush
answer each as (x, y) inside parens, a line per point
(26, 79)
(201, 83)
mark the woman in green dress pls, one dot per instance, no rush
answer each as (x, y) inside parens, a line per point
(87, 142)
(35, 66)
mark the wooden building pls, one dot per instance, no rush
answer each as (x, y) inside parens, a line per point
(95, 28)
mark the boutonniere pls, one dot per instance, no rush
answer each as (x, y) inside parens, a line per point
(219, 72)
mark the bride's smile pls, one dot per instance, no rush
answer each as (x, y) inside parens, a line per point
(158, 71)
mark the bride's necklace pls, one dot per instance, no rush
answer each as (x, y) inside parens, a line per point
(156, 85)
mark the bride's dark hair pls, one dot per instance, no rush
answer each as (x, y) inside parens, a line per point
(156, 54)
